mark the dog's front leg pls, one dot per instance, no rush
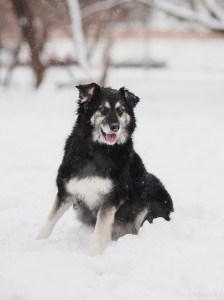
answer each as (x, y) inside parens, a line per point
(102, 231)
(57, 211)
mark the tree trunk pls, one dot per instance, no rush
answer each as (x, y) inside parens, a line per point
(78, 36)
(24, 13)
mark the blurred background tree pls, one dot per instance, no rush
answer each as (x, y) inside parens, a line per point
(93, 26)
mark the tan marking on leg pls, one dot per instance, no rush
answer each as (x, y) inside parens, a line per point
(102, 231)
(140, 219)
(55, 214)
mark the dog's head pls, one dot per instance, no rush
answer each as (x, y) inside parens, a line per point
(108, 111)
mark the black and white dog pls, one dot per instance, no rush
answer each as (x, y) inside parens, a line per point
(101, 175)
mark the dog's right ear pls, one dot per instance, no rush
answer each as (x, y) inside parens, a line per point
(87, 91)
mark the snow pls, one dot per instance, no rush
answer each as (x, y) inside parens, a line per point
(180, 138)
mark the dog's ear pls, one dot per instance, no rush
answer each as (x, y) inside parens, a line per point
(87, 91)
(131, 99)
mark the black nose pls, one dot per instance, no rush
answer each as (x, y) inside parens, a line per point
(114, 127)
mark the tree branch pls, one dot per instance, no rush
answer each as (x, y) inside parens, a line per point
(102, 6)
(165, 6)
(215, 9)
(185, 14)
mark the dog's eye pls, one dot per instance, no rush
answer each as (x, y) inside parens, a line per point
(120, 110)
(104, 110)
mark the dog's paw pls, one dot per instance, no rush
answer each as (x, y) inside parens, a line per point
(97, 246)
(41, 236)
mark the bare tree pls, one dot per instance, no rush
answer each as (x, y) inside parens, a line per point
(78, 35)
(25, 15)
(84, 56)
(208, 13)
(180, 11)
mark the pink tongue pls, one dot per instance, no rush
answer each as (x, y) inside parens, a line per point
(111, 138)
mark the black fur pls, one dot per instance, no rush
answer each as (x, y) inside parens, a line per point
(133, 187)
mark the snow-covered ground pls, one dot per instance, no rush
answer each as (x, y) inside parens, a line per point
(180, 138)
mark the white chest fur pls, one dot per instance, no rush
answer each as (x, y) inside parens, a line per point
(90, 189)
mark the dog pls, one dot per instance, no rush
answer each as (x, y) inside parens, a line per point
(101, 175)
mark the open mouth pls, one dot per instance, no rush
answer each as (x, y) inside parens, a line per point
(110, 138)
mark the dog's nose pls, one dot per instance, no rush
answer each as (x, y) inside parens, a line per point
(114, 127)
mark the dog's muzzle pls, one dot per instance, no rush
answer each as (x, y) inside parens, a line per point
(110, 133)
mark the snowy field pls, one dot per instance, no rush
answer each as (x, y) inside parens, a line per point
(180, 138)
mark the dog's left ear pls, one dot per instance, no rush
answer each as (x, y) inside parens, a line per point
(87, 91)
(131, 99)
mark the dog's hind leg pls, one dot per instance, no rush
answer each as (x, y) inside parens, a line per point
(141, 217)
(57, 211)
